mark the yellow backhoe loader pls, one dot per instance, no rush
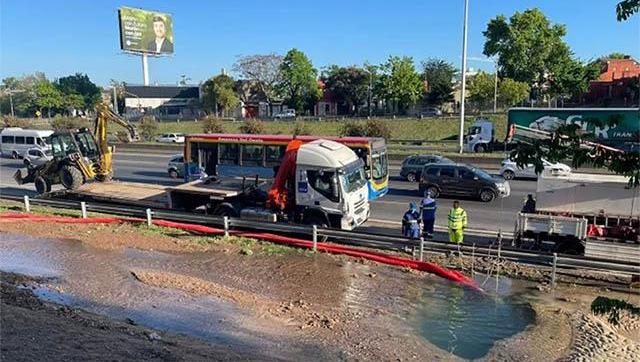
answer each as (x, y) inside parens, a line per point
(78, 155)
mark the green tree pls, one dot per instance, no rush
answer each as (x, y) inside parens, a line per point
(23, 93)
(481, 89)
(219, 94)
(528, 46)
(401, 83)
(570, 78)
(298, 84)
(73, 101)
(47, 96)
(615, 55)
(263, 70)
(80, 84)
(512, 92)
(439, 75)
(626, 8)
(349, 86)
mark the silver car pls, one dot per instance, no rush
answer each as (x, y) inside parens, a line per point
(36, 157)
(510, 170)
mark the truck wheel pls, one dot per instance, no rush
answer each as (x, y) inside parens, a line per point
(481, 148)
(225, 209)
(433, 191)
(71, 177)
(42, 185)
(487, 195)
(411, 177)
(15, 155)
(173, 174)
(508, 175)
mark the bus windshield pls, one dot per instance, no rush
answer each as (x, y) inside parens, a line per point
(380, 167)
(352, 177)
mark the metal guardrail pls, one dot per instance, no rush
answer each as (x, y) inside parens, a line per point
(363, 239)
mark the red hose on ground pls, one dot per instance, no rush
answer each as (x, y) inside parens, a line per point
(436, 269)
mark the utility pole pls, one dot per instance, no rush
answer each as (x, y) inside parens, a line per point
(495, 92)
(11, 103)
(464, 76)
(370, 86)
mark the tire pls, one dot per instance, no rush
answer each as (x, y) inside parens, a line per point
(71, 177)
(508, 175)
(15, 155)
(42, 185)
(487, 195)
(225, 209)
(26, 162)
(433, 190)
(481, 148)
(411, 177)
(173, 174)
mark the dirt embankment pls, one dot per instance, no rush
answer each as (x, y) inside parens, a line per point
(33, 330)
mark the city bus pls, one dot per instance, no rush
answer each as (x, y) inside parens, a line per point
(250, 155)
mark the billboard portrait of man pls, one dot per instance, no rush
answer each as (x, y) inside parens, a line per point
(160, 44)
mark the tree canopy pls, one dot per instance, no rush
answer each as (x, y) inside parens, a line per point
(481, 89)
(626, 8)
(439, 75)
(80, 84)
(401, 83)
(219, 94)
(298, 81)
(263, 69)
(512, 92)
(348, 85)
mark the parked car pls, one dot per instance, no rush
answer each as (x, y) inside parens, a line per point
(171, 138)
(36, 156)
(431, 112)
(462, 180)
(288, 113)
(412, 166)
(175, 167)
(510, 170)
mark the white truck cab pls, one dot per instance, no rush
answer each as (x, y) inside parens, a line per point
(331, 185)
(479, 136)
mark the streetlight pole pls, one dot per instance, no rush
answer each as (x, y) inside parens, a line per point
(370, 86)
(495, 92)
(11, 103)
(464, 76)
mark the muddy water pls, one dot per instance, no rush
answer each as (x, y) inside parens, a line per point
(101, 282)
(467, 323)
(459, 321)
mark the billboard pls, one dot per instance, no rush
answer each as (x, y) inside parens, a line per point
(144, 31)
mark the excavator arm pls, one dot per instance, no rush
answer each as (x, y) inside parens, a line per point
(103, 117)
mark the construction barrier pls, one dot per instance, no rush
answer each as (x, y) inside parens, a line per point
(436, 269)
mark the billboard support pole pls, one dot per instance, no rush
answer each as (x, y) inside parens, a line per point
(145, 69)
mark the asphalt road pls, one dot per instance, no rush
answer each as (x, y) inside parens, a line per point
(150, 167)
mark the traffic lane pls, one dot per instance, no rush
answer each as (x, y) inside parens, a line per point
(498, 214)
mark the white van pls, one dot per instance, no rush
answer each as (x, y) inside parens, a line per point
(15, 141)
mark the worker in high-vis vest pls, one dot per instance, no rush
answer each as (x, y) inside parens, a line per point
(428, 207)
(457, 223)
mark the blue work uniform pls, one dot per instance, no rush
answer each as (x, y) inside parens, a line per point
(411, 224)
(428, 207)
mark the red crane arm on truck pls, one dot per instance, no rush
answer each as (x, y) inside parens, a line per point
(278, 198)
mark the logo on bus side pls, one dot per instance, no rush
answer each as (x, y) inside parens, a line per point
(303, 187)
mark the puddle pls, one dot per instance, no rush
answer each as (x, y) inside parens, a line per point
(467, 323)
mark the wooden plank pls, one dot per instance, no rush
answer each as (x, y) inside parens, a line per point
(132, 193)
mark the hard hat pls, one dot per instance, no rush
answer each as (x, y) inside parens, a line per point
(413, 206)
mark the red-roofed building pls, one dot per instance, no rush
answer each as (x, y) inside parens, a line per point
(617, 84)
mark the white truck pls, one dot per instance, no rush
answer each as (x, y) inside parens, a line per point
(479, 136)
(598, 215)
(317, 183)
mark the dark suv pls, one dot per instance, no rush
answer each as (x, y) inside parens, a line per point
(462, 180)
(412, 165)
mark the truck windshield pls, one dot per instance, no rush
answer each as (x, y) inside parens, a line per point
(352, 177)
(380, 167)
(474, 130)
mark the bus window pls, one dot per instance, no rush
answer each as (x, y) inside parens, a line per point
(7, 139)
(251, 155)
(274, 155)
(20, 140)
(30, 140)
(228, 154)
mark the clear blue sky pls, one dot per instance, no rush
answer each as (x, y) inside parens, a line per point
(61, 37)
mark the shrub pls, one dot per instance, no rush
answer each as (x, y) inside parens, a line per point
(377, 128)
(253, 126)
(10, 121)
(353, 129)
(212, 125)
(148, 127)
(301, 129)
(64, 123)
